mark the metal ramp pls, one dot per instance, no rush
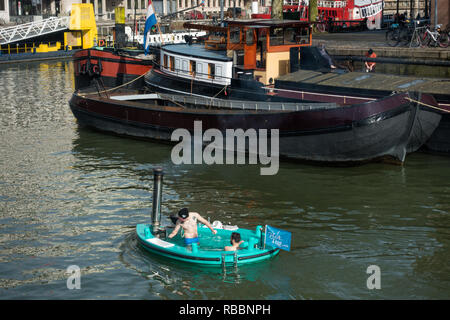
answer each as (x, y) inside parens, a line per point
(33, 29)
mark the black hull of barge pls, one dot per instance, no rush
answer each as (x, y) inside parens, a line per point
(386, 129)
(439, 141)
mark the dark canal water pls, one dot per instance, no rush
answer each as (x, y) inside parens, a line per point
(70, 196)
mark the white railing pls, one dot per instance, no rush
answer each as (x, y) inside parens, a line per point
(33, 29)
(323, 3)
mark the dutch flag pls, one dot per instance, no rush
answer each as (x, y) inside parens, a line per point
(149, 23)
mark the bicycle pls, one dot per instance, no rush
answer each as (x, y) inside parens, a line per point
(406, 35)
(402, 33)
(319, 26)
(435, 38)
(417, 35)
(393, 35)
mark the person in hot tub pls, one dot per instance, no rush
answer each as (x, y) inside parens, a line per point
(188, 221)
(235, 242)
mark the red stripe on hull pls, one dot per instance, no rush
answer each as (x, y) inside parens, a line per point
(126, 65)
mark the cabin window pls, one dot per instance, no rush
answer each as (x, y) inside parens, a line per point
(177, 64)
(303, 33)
(165, 61)
(172, 63)
(292, 36)
(211, 70)
(235, 35)
(192, 67)
(185, 67)
(249, 39)
(276, 36)
(199, 69)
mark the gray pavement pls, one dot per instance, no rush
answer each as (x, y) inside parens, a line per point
(357, 44)
(374, 38)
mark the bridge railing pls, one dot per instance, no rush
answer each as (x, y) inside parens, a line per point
(33, 29)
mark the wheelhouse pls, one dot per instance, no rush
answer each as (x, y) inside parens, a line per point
(265, 49)
(245, 49)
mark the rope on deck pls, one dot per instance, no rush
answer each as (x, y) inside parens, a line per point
(122, 85)
(427, 105)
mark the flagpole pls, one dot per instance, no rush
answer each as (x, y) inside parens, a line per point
(265, 235)
(157, 25)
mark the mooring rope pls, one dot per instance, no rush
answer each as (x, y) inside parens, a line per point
(115, 88)
(427, 105)
(224, 88)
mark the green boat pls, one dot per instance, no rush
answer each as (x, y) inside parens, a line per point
(210, 251)
(211, 248)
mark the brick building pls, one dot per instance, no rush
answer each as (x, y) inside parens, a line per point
(443, 12)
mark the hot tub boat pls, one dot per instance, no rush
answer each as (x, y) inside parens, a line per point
(210, 251)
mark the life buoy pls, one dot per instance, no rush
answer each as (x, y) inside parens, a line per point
(83, 68)
(101, 43)
(96, 70)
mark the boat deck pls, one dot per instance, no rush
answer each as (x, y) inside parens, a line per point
(368, 81)
(172, 102)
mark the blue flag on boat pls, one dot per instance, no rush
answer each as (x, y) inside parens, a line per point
(278, 238)
(149, 23)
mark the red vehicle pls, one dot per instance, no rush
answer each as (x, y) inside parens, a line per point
(337, 10)
(194, 15)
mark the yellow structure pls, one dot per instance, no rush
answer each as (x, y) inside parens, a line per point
(82, 26)
(48, 47)
(277, 64)
(120, 15)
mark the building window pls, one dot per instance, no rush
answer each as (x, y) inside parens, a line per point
(2, 5)
(28, 7)
(143, 4)
(129, 4)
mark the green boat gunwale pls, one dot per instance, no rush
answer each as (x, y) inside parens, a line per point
(213, 257)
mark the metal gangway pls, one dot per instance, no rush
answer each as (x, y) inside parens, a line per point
(33, 29)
